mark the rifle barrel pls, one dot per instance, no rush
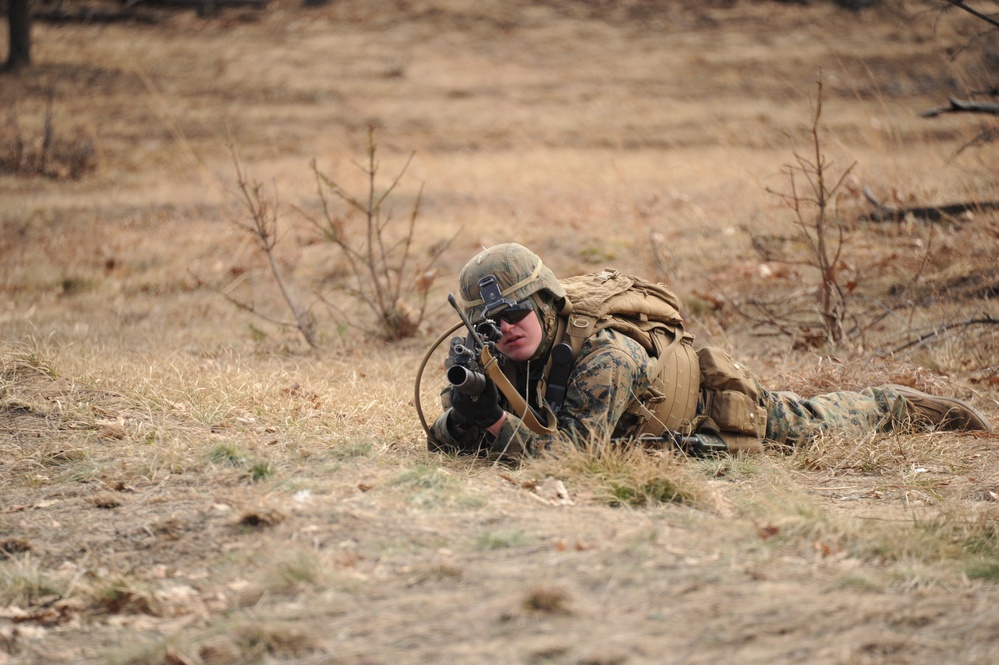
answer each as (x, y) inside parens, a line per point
(466, 380)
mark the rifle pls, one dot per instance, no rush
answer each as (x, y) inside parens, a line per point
(695, 444)
(465, 372)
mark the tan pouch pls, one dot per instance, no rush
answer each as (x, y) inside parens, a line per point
(730, 396)
(737, 412)
(720, 372)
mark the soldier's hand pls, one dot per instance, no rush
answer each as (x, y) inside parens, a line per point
(482, 410)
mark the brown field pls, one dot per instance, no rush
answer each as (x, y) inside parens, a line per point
(185, 482)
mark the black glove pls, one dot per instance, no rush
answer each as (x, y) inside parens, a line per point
(482, 410)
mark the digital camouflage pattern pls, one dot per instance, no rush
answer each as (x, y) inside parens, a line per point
(794, 421)
(518, 270)
(612, 374)
(609, 373)
(613, 369)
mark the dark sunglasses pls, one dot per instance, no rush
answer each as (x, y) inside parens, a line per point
(516, 313)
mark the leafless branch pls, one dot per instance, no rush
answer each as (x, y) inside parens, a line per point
(822, 234)
(949, 211)
(239, 304)
(264, 229)
(974, 12)
(986, 320)
(962, 106)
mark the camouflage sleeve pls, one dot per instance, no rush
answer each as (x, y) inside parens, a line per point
(609, 373)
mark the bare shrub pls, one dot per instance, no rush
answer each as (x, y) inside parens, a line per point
(263, 228)
(821, 235)
(384, 276)
(46, 154)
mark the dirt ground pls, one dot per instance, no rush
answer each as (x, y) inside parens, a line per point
(182, 482)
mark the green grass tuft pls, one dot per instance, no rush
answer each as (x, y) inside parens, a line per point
(500, 540)
(227, 454)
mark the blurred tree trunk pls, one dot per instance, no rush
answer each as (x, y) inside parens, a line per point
(19, 19)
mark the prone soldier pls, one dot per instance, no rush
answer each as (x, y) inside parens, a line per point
(610, 381)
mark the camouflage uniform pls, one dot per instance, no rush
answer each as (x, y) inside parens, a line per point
(792, 420)
(609, 372)
(612, 369)
(612, 372)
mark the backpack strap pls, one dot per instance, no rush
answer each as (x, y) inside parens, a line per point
(579, 328)
(664, 353)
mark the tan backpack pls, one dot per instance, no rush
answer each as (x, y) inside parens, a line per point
(649, 314)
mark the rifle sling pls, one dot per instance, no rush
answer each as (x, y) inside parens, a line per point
(519, 406)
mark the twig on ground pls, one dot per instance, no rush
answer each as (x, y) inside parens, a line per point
(950, 211)
(986, 320)
(962, 106)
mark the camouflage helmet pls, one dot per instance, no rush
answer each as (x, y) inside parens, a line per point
(519, 273)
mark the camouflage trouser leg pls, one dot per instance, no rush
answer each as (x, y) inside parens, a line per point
(793, 420)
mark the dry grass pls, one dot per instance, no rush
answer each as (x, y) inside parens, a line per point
(184, 484)
(626, 475)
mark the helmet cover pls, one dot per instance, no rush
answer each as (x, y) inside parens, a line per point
(519, 274)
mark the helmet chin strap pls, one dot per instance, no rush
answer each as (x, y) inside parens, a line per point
(548, 318)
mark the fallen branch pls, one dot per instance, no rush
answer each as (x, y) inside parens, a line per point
(90, 15)
(950, 211)
(974, 12)
(962, 106)
(202, 5)
(987, 320)
(129, 14)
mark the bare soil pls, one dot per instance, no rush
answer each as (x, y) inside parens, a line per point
(183, 482)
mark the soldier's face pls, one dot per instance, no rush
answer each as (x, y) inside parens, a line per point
(520, 340)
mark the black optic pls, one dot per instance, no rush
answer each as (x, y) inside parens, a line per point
(517, 313)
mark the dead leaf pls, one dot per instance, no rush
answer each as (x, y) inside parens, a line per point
(767, 531)
(553, 491)
(261, 518)
(111, 429)
(106, 500)
(220, 650)
(12, 546)
(426, 280)
(174, 657)
(549, 600)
